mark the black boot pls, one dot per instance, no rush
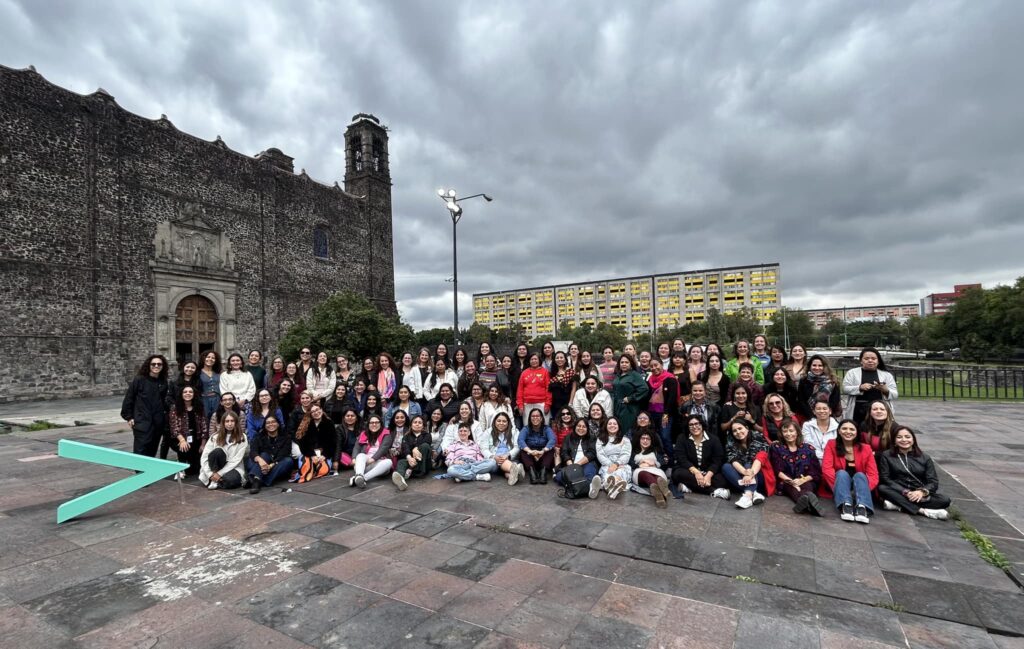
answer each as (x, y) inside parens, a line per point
(534, 479)
(543, 475)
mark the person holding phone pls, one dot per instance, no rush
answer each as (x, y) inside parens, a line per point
(867, 383)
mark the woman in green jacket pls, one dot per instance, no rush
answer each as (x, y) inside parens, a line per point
(628, 392)
(742, 354)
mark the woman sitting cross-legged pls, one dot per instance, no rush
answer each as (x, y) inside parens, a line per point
(907, 479)
(371, 453)
(797, 470)
(613, 452)
(648, 476)
(317, 439)
(415, 457)
(537, 447)
(223, 461)
(699, 460)
(580, 448)
(747, 468)
(498, 443)
(270, 455)
(849, 474)
(465, 460)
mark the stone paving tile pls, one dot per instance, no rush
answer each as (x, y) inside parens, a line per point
(392, 543)
(1006, 642)
(393, 518)
(96, 527)
(569, 589)
(764, 632)
(998, 610)
(441, 632)
(382, 624)
(929, 633)
(357, 535)
(483, 604)
(593, 563)
(430, 524)
(520, 576)
(464, 535)
(524, 548)
(896, 558)
(315, 525)
(262, 637)
(386, 579)
(296, 606)
(348, 565)
(689, 624)
(837, 640)
(139, 629)
(784, 570)
(920, 595)
(428, 553)
(639, 607)
(830, 549)
(541, 623)
(20, 628)
(851, 581)
(471, 564)
(722, 558)
(86, 606)
(214, 628)
(52, 574)
(432, 590)
(594, 631)
(495, 640)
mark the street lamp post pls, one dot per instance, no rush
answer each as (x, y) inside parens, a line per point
(451, 201)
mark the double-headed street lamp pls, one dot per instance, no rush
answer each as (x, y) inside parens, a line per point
(451, 201)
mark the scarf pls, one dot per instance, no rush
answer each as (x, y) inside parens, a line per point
(821, 388)
(386, 383)
(656, 380)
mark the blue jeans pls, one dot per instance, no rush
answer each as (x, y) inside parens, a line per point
(732, 476)
(469, 471)
(666, 442)
(283, 469)
(589, 471)
(861, 492)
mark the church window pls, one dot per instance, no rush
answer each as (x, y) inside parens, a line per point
(321, 243)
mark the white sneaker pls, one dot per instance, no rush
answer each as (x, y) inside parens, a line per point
(686, 490)
(213, 485)
(616, 487)
(745, 501)
(889, 507)
(595, 487)
(721, 492)
(937, 514)
(361, 482)
(758, 498)
(483, 477)
(399, 481)
(180, 475)
(861, 515)
(513, 475)
(458, 479)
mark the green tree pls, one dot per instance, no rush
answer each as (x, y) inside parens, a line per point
(431, 338)
(476, 334)
(794, 321)
(741, 324)
(347, 321)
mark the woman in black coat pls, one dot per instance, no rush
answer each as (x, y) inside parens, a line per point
(701, 474)
(907, 479)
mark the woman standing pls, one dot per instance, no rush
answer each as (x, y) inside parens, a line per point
(423, 371)
(776, 358)
(586, 367)
(797, 470)
(779, 383)
(574, 356)
(648, 476)
(343, 371)
(867, 383)
(387, 382)
(255, 367)
(483, 350)
(533, 389)
(761, 350)
(275, 375)
(629, 391)
(581, 449)
(467, 379)
(907, 479)
(320, 379)
(715, 381)
(222, 465)
(613, 452)
(441, 376)
(696, 363)
(499, 443)
(237, 381)
(369, 373)
(797, 366)
(741, 355)
(189, 377)
(209, 381)
(664, 355)
(371, 453)
(547, 355)
(664, 403)
(747, 468)
(415, 457)
(188, 431)
(608, 368)
(819, 384)
(561, 383)
(820, 430)
(590, 393)
(317, 439)
(849, 474)
(410, 374)
(441, 354)
(537, 446)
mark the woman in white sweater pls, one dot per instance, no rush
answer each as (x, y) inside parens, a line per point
(237, 381)
(494, 404)
(222, 465)
(500, 443)
(867, 383)
(613, 452)
(441, 376)
(589, 394)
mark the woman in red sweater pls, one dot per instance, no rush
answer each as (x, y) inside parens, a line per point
(533, 389)
(849, 474)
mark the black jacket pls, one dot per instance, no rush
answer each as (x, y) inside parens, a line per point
(322, 436)
(574, 441)
(449, 411)
(921, 474)
(278, 447)
(412, 440)
(804, 396)
(146, 403)
(712, 454)
(712, 418)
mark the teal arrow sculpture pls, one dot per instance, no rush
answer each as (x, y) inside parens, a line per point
(151, 469)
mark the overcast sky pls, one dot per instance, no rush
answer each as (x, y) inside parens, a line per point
(874, 149)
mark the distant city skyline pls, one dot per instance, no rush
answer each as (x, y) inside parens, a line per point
(870, 148)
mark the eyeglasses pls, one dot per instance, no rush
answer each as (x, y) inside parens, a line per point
(304, 353)
(694, 424)
(156, 364)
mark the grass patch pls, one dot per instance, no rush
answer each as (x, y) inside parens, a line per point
(983, 545)
(40, 424)
(894, 606)
(749, 580)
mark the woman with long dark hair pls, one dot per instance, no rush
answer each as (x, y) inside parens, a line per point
(338, 403)
(320, 379)
(648, 475)
(188, 432)
(533, 388)
(715, 381)
(562, 382)
(537, 445)
(343, 371)
(441, 354)
(547, 355)
(797, 470)
(442, 376)
(747, 468)
(819, 384)
(868, 383)
(907, 480)
(699, 460)
(387, 380)
(586, 367)
(222, 465)
(459, 362)
(275, 374)
(797, 366)
(663, 405)
(237, 381)
(778, 383)
(613, 452)
(500, 443)
(415, 457)
(878, 427)
(561, 425)
(581, 449)
(209, 380)
(285, 396)
(849, 474)
(264, 406)
(189, 376)
(270, 455)
(298, 379)
(630, 391)
(371, 453)
(317, 440)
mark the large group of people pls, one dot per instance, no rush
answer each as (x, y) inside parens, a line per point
(763, 421)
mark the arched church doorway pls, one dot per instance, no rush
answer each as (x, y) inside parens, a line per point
(195, 328)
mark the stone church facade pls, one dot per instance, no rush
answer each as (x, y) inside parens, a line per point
(122, 236)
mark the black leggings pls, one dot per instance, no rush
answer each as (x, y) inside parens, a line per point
(216, 461)
(896, 497)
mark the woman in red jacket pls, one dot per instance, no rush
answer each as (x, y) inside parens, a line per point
(849, 474)
(533, 389)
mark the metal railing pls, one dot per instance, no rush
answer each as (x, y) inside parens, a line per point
(960, 383)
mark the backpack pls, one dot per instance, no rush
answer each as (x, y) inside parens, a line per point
(574, 482)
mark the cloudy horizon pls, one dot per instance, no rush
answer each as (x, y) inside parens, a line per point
(872, 149)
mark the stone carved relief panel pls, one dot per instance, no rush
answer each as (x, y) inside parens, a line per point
(190, 241)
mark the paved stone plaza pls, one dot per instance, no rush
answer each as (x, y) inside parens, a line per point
(485, 565)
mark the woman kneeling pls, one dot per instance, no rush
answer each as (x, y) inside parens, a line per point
(907, 479)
